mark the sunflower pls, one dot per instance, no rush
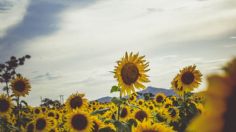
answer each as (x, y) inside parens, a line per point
(140, 102)
(147, 126)
(108, 128)
(43, 109)
(30, 127)
(20, 86)
(76, 101)
(159, 98)
(189, 78)
(168, 103)
(220, 103)
(124, 113)
(179, 90)
(97, 124)
(132, 98)
(131, 73)
(42, 123)
(142, 114)
(79, 121)
(5, 105)
(172, 114)
(51, 113)
(37, 110)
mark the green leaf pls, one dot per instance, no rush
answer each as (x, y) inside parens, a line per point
(122, 127)
(106, 129)
(24, 102)
(114, 89)
(116, 101)
(101, 111)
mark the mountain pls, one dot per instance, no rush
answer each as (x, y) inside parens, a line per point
(149, 89)
(104, 99)
(154, 91)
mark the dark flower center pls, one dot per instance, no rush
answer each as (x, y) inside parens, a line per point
(4, 105)
(131, 98)
(43, 109)
(187, 78)
(40, 124)
(76, 102)
(20, 86)
(79, 122)
(140, 102)
(151, 107)
(159, 99)
(172, 112)
(51, 114)
(36, 111)
(140, 115)
(30, 127)
(123, 113)
(129, 73)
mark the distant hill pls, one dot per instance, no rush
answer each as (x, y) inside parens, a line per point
(104, 99)
(154, 91)
(149, 89)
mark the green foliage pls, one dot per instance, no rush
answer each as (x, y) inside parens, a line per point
(114, 89)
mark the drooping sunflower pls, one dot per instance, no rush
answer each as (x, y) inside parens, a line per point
(131, 73)
(189, 78)
(159, 98)
(172, 114)
(76, 101)
(20, 86)
(42, 123)
(79, 121)
(147, 126)
(179, 90)
(97, 124)
(5, 105)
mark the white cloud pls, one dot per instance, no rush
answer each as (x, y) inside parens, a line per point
(12, 13)
(89, 41)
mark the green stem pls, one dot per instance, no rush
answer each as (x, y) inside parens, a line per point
(118, 113)
(7, 89)
(18, 112)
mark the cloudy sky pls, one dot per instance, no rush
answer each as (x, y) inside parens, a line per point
(74, 44)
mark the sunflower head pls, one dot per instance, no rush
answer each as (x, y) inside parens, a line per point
(76, 101)
(140, 102)
(97, 124)
(131, 73)
(189, 78)
(5, 105)
(141, 114)
(172, 114)
(124, 113)
(42, 123)
(30, 127)
(79, 121)
(159, 98)
(147, 126)
(20, 86)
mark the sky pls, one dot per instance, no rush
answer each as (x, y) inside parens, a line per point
(75, 44)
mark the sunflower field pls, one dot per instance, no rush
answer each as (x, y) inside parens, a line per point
(212, 110)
